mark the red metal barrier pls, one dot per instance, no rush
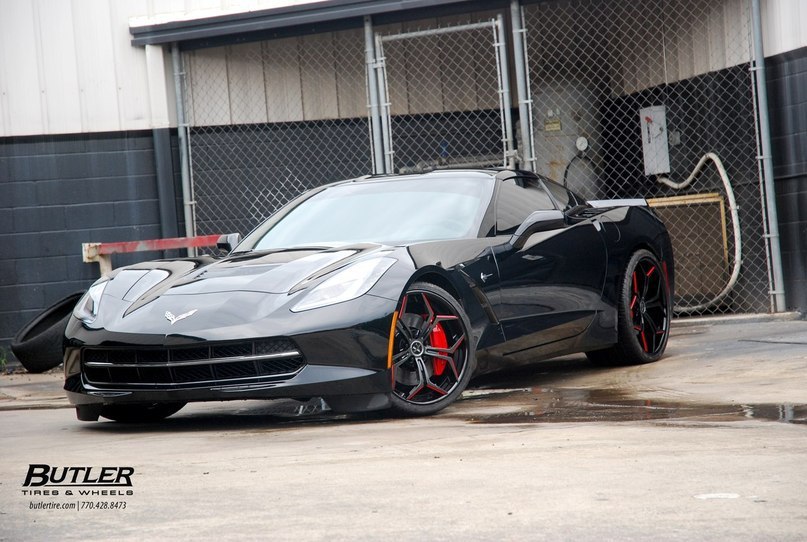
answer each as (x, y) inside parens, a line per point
(102, 252)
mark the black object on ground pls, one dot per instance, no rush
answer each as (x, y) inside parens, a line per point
(38, 345)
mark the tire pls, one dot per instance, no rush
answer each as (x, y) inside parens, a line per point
(140, 413)
(644, 311)
(432, 351)
(39, 344)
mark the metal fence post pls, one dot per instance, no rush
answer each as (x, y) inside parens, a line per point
(772, 237)
(634, 98)
(372, 88)
(184, 158)
(383, 92)
(504, 96)
(524, 101)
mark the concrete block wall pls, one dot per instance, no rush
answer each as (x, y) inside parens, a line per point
(57, 192)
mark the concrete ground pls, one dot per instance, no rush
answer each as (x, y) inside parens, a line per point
(709, 443)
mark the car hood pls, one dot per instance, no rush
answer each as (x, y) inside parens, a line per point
(273, 272)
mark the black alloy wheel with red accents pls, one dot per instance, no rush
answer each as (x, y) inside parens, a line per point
(645, 309)
(648, 306)
(432, 351)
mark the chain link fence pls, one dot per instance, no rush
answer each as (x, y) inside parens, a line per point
(268, 120)
(628, 98)
(641, 98)
(444, 91)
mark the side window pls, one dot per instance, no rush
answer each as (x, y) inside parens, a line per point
(564, 197)
(518, 198)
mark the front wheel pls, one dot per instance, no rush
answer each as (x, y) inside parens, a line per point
(432, 351)
(645, 308)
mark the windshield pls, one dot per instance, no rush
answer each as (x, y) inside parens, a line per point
(388, 212)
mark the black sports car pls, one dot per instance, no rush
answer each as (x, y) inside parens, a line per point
(378, 293)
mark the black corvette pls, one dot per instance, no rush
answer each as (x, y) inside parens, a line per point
(378, 293)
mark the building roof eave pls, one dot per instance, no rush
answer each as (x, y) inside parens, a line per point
(220, 26)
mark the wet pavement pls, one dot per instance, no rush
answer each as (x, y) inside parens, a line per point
(565, 405)
(707, 444)
(727, 369)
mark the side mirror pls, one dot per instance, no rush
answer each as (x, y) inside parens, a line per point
(536, 222)
(228, 242)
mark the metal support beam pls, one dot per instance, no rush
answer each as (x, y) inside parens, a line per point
(184, 149)
(772, 238)
(102, 252)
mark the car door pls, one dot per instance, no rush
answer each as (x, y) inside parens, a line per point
(551, 263)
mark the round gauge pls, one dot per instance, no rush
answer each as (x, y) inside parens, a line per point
(581, 143)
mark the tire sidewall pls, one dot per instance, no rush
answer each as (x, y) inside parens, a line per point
(627, 336)
(402, 407)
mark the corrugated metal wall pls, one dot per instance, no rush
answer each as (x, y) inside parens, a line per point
(69, 67)
(314, 77)
(784, 25)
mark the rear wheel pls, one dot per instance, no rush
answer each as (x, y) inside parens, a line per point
(645, 308)
(432, 351)
(140, 413)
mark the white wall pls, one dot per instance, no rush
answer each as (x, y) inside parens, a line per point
(68, 66)
(784, 25)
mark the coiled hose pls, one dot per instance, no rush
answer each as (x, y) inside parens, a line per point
(735, 220)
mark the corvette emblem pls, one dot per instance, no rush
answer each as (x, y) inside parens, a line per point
(174, 319)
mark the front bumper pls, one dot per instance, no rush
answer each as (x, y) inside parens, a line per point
(333, 352)
(311, 381)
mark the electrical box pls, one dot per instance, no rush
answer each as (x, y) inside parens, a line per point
(655, 144)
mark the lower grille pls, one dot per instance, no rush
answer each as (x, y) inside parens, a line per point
(188, 366)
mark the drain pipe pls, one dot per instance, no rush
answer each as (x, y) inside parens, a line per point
(184, 158)
(772, 237)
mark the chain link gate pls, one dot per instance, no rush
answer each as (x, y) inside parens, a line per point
(268, 120)
(445, 96)
(647, 98)
(654, 99)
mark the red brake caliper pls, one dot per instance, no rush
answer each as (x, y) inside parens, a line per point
(439, 340)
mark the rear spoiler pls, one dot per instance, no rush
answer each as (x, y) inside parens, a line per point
(603, 203)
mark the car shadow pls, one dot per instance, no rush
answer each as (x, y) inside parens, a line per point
(285, 414)
(238, 416)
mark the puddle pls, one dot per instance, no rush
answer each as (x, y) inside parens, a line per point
(565, 405)
(540, 405)
(491, 405)
(543, 405)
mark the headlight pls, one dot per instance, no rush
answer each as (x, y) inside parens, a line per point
(349, 283)
(87, 307)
